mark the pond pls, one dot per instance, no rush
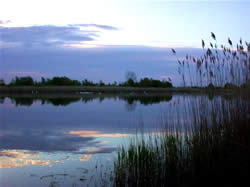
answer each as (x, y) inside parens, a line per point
(70, 140)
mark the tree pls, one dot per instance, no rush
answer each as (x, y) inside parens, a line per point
(101, 83)
(43, 81)
(129, 75)
(22, 81)
(2, 83)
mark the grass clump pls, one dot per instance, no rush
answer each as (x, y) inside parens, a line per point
(205, 141)
(211, 146)
(219, 65)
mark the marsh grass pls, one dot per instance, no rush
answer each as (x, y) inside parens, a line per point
(220, 65)
(211, 146)
(204, 141)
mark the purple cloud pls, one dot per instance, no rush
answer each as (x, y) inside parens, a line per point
(47, 35)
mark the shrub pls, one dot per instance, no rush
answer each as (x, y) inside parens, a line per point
(22, 81)
(210, 86)
(230, 86)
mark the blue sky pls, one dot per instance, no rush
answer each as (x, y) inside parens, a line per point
(101, 40)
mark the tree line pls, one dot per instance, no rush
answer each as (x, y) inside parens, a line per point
(65, 81)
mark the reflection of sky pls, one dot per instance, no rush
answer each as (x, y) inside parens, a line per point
(45, 139)
(97, 134)
(79, 128)
(107, 115)
(45, 142)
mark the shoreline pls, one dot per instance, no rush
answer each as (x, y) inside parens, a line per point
(92, 89)
(83, 90)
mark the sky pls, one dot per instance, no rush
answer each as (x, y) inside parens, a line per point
(101, 40)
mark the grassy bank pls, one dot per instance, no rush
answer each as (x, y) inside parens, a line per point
(207, 143)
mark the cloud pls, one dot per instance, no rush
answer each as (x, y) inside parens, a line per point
(86, 133)
(46, 35)
(4, 22)
(105, 27)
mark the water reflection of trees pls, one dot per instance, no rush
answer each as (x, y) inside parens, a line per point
(59, 101)
(131, 101)
(28, 101)
(2, 100)
(129, 107)
(147, 100)
(24, 101)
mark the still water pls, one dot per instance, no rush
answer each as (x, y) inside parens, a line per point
(69, 141)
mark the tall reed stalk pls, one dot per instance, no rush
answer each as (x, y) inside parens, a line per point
(219, 65)
(204, 141)
(211, 146)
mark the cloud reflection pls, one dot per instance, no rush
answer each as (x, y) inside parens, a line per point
(101, 150)
(53, 141)
(85, 158)
(16, 158)
(88, 154)
(85, 133)
(44, 141)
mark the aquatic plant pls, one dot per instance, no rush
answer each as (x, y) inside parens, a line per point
(212, 144)
(219, 65)
(204, 142)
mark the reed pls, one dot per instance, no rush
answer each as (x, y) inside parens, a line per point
(204, 141)
(212, 147)
(219, 66)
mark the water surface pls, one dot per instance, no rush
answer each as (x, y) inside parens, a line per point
(69, 141)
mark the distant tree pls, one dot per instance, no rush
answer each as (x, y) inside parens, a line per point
(114, 83)
(76, 83)
(211, 86)
(146, 82)
(230, 86)
(129, 75)
(85, 82)
(60, 81)
(130, 82)
(43, 81)
(22, 81)
(101, 83)
(130, 78)
(2, 83)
